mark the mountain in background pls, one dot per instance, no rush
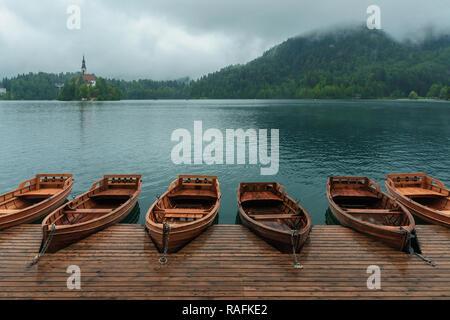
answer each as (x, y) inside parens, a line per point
(340, 64)
(346, 63)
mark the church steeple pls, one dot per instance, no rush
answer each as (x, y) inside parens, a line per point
(83, 66)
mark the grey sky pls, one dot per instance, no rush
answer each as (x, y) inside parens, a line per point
(167, 39)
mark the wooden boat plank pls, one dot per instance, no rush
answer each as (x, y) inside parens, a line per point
(390, 211)
(353, 193)
(273, 216)
(260, 195)
(193, 193)
(44, 192)
(417, 192)
(83, 211)
(183, 215)
(115, 192)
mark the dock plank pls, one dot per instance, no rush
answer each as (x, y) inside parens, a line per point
(225, 262)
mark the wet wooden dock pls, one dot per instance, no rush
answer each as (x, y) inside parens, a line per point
(226, 262)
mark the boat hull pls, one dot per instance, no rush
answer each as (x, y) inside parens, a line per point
(397, 237)
(425, 213)
(179, 236)
(197, 190)
(63, 237)
(283, 239)
(36, 211)
(279, 240)
(66, 234)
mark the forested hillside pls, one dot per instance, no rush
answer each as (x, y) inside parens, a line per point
(341, 64)
(346, 63)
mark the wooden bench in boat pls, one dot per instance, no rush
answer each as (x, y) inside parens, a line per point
(349, 210)
(41, 193)
(353, 193)
(8, 211)
(114, 192)
(193, 193)
(184, 213)
(273, 216)
(259, 195)
(94, 211)
(418, 192)
(446, 212)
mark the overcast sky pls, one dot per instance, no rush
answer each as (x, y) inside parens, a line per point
(168, 39)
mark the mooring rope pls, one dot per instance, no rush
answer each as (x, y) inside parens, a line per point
(163, 259)
(412, 251)
(44, 247)
(297, 264)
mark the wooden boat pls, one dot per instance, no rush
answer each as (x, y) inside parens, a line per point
(425, 197)
(266, 209)
(358, 202)
(34, 198)
(189, 206)
(108, 201)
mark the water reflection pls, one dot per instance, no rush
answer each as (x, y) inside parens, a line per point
(133, 216)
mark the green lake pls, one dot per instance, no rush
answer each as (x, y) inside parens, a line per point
(317, 139)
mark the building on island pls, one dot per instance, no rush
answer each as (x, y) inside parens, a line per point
(2, 91)
(90, 79)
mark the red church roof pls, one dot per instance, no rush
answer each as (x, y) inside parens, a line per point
(89, 77)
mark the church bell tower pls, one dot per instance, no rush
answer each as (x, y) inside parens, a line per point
(83, 66)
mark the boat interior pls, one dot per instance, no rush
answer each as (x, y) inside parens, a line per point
(362, 199)
(422, 189)
(189, 198)
(268, 204)
(31, 192)
(105, 196)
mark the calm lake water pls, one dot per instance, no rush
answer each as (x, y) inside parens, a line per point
(317, 139)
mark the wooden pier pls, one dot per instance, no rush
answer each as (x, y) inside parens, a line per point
(225, 262)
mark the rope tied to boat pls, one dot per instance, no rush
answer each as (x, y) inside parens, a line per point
(297, 264)
(166, 235)
(44, 247)
(412, 251)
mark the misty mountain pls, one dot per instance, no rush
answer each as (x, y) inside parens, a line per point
(342, 63)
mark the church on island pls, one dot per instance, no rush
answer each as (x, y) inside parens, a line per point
(90, 79)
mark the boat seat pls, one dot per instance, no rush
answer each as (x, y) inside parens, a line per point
(372, 211)
(41, 193)
(79, 211)
(8, 211)
(274, 216)
(446, 212)
(259, 195)
(418, 192)
(114, 193)
(364, 193)
(183, 215)
(193, 193)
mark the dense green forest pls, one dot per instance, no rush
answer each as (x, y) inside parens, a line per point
(342, 64)
(77, 89)
(347, 63)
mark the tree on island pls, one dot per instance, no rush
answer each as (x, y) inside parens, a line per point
(77, 89)
(413, 95)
